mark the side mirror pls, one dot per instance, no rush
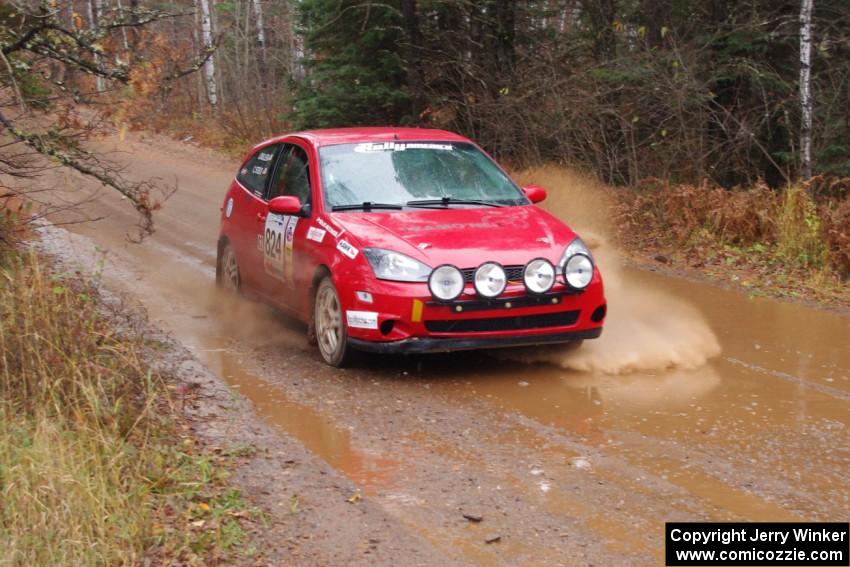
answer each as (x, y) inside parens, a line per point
(285, 205)
(535, 193)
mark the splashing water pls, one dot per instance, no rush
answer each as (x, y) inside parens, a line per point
(645, 330)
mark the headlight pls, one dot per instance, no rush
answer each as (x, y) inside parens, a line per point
(446, 282)
(578, 271)
(389, 265)
(577, 246)
(539, 275)
(490, 279)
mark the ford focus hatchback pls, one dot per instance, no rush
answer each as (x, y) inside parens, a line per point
(403, 240)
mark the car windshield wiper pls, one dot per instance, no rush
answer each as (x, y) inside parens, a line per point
(367, 206)
(446, 201)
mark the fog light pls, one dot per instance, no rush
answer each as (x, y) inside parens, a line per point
(490, 279)
(539, 276)
(364, 296)
(446, 282)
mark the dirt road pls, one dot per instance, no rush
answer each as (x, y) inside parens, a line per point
(697, 404)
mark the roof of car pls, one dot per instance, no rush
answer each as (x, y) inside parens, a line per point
(333, 136)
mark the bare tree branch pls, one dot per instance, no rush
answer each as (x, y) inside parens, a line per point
(84, 162)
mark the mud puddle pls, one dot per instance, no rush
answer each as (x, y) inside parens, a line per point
(333, 444)
(744, 431)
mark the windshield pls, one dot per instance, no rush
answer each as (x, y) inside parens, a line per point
(400, 173)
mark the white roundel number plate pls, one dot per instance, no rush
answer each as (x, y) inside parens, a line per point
(278, 237)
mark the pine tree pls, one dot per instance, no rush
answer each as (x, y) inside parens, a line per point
(355, 70)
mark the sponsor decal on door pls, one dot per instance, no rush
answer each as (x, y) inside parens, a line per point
(278, 237)
(288, 270)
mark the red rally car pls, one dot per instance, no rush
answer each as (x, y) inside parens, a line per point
(403, 240)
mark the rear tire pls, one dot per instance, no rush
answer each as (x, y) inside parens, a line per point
(331, 335)
(227, 274)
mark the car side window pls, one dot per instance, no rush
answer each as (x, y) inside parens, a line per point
(255, 174)
(292, 176)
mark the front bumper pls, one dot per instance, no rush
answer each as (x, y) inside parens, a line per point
(404, 318)
(420, 345)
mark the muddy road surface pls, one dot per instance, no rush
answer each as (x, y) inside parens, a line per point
(698, 403)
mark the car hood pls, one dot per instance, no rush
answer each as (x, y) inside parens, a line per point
(465, 237)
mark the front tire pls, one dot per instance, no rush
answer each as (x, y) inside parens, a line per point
(331, 335)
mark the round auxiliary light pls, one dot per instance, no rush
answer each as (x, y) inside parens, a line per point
(578, 271)
(539, 275)
(445, 282)
(490, 279)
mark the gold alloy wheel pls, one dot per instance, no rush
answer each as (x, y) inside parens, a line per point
(330, 328)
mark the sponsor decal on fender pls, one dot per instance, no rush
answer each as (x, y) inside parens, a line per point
(316, 234)
(335, 232)
(346, 248)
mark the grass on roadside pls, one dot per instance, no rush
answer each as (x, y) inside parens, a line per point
(792, 242)
(95, 468)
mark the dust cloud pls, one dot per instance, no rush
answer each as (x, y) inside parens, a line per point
(251, 322)
(645, 330)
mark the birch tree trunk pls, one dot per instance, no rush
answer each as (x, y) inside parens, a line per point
(806, 89)
(261, 30)
(209, 65)
(93, 25)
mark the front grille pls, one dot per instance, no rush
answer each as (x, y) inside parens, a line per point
(514, 273)
(515, 323)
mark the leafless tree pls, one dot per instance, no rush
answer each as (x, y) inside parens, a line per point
(48, 126)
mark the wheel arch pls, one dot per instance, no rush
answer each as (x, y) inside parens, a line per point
(322, 271)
